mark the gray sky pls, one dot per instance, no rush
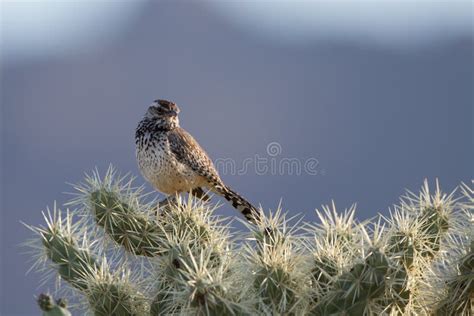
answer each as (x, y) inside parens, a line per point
(378, 117)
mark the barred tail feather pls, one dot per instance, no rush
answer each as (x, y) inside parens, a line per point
(250, 212)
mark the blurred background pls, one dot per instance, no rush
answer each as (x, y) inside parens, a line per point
(380, 93)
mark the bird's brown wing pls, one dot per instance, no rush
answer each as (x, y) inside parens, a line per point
(187, 151)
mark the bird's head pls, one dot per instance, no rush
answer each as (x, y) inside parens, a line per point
(164, 112)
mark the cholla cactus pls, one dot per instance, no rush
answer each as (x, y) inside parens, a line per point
(118, 252)
(449, 283)
(353, 274)
(105, 292)
(418, 237)
(275, 267)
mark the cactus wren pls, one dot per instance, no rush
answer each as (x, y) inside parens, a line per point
(173, 162)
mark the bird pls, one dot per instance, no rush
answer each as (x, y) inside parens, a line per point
(174, 163)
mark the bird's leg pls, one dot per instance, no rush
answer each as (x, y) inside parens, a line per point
(170, 199)
(165, 204)
(200, 194)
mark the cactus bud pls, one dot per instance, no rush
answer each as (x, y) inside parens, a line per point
(48, 307)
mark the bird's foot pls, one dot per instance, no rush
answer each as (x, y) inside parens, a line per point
(165, 205)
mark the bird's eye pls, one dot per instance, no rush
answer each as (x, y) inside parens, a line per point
(164, 103)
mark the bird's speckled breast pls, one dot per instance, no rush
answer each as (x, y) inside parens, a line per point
(159, 166)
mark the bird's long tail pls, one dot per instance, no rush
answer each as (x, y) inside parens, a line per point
(251, 213)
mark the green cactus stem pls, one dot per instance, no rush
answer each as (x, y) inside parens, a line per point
(126, 226)
(73, 264)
